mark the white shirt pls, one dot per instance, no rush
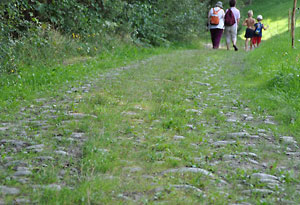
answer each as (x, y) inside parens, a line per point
(221, 15)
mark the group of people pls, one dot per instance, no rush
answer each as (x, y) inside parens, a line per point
(218, 20)
(254, 30)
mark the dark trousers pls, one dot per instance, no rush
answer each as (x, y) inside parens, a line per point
(216, 35)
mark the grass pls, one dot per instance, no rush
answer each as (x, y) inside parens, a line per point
(275, 14)
(130, 118)
(271, 77)
(131, 141)
(40, 77)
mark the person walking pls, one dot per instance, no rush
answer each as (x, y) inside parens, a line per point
(258, 31)
(216, 24)
(232, 19)
(249, 22)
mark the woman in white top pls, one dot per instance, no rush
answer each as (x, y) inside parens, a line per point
(216, 24)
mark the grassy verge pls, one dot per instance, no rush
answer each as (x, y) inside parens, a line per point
(271, 72)
(275, 14)
(44, 71)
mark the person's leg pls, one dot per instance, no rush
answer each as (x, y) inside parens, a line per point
(248, 38)
(254, 41)
(215, 38)
(258, 41)
(246, 44)
(234, 37)
(251, 45)
(228, 37)
(219, 33)
(212, 35)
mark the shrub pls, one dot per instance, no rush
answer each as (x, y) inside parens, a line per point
(151, 22)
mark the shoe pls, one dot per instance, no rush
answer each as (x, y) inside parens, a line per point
(235, 48)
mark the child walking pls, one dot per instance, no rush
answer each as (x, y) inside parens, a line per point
(249, 22)
(258, 31)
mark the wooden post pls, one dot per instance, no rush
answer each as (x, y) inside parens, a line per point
(293, 23)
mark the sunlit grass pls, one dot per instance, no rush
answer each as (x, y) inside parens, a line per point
(275, 14)
(272, 71)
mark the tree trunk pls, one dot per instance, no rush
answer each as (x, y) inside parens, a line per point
(293, 23)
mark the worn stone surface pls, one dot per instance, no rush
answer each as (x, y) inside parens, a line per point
(35, 147)
(23, 201)
(263, 176)
(3, 128)
(188, 169)
(178, 137)
(22, 173)
(133, 169)
(187, 187)
(55, 187)
(259, 191)
(224, 143)
(229, 157)
(16, 163)
(194, 111)
(9, 190)
(77, 135)
(45, 158)
(232, 119)
(249, 154)
(288, 139)
(239, 134)
(61, 152)
(293, 154)
(17, 143)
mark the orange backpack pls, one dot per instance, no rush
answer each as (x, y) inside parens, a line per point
(214, 18)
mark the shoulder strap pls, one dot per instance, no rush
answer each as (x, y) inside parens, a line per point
(216, 12)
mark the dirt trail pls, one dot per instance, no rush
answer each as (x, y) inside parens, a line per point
(184, 136)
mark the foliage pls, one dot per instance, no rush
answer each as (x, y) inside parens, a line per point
(182, 18)
(151, 22)
(146, 23)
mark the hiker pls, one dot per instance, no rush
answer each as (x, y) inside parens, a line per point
(258, 31)
(249, 22)
(216, 24)
(232, 19)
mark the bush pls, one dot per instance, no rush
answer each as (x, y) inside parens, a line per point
(150, 22)
(182, 18)
(146, 24)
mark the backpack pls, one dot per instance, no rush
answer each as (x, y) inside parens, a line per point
(229, 18)
(214, 18)
(258, 28)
